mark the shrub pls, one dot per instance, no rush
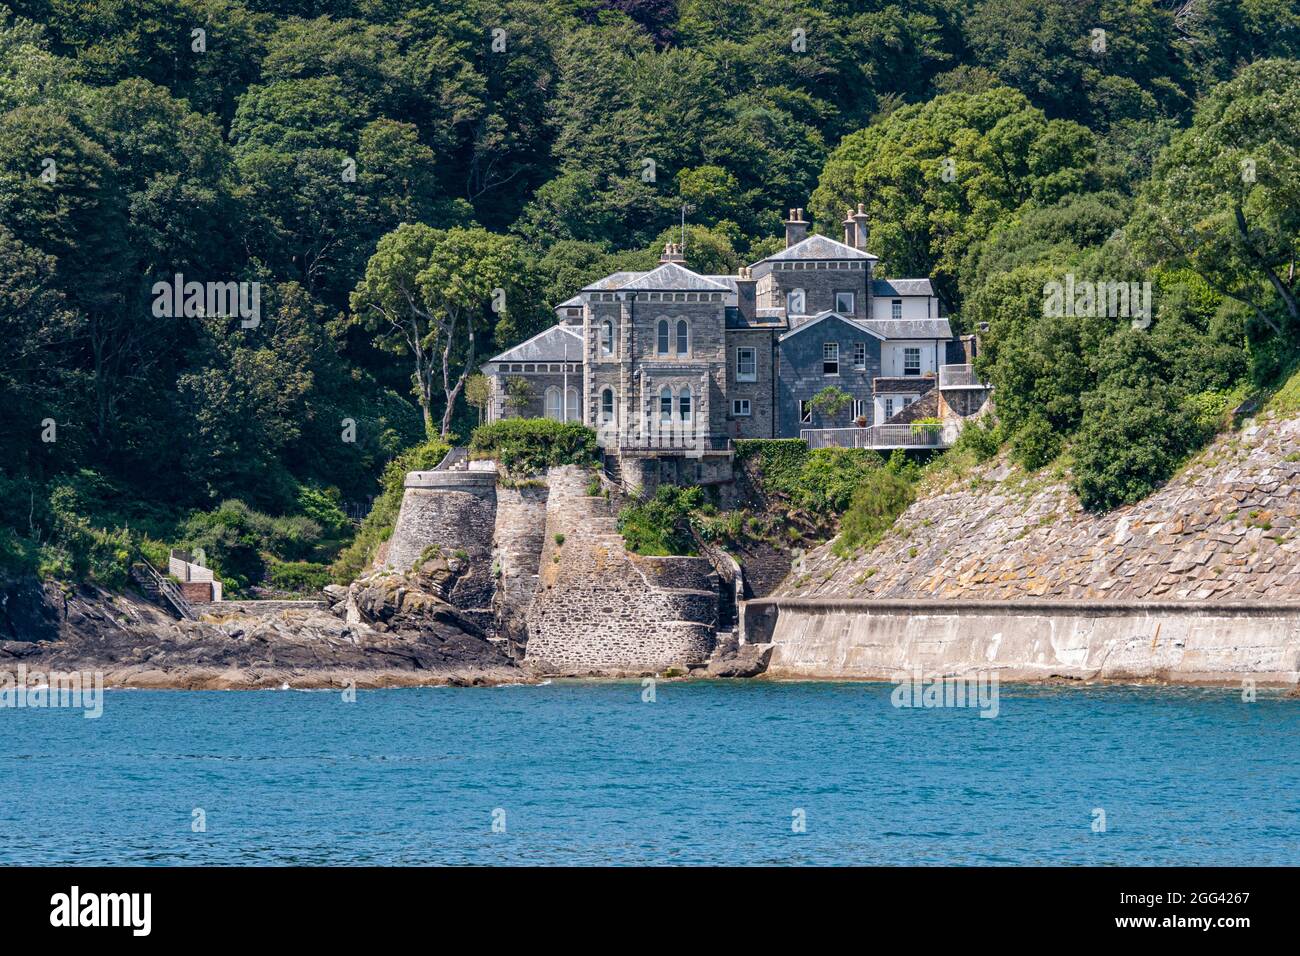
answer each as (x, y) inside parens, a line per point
(876, 504)
(983, 438)
(234, 538)
(828, 477)
(660, 526)
(298, 576)
(324, 506)
(526, 446)
(1036, 443)
(1131, 441)
(820, 480)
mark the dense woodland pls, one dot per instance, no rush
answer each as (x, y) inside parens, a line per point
(382, 167)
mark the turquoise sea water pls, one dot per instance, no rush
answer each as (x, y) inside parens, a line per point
(588, 773)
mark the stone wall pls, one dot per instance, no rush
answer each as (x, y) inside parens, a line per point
(599, 609)
(455, 510)
(516, 556)
(1182, 642)
(801, 377)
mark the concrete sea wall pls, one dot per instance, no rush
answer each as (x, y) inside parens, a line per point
(1176, 641)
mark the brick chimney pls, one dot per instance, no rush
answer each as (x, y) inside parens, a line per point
(860, 220)
(796, 228)
(746, 300)
(850, 229)
(672, 253)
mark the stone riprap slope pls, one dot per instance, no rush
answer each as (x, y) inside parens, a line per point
(1222, 530)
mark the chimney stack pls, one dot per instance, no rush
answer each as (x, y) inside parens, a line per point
(746, 300)
(796, 228)
(850, 229)
(860, 220)
(672, 253)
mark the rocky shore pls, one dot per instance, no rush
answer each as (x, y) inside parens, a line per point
(386, 630)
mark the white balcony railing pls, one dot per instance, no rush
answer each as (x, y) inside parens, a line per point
(959, 376)
(884, 436)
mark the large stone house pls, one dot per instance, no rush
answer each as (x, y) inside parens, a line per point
(670, 366)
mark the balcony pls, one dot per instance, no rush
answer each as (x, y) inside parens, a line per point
(959, 376)
(884, 437)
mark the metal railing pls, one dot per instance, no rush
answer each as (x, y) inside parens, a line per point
(917, 435)
(959, 376)
(168, 589)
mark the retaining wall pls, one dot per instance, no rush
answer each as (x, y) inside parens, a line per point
(599, 608)
(1179, 642)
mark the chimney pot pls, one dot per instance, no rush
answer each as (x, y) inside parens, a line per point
(796, 229)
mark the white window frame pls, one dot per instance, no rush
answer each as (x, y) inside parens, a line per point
(831, 355)
(907, 350)
(859, 408)
(889, 408)
(859, 355)
(553, 403)
(752, 374)
(896, 309)
(740, 408)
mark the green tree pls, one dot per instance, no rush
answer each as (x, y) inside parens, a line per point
(1224, 197)
(429, 294)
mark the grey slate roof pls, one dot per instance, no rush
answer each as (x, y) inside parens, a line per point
(613, 281)
(901, 287)
(672, 277)
(547, 346)
(571, 303)
(728, 281)
(809, 322)
(819, 247)
(763, 319)
(911, 328)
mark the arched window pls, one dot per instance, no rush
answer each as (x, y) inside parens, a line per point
(684, 404)
(572, 411)
(661, 346)
(683, 337)
(607, 337)
(665, 404)
(554, 404)
(607, 406)
(796, 302)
